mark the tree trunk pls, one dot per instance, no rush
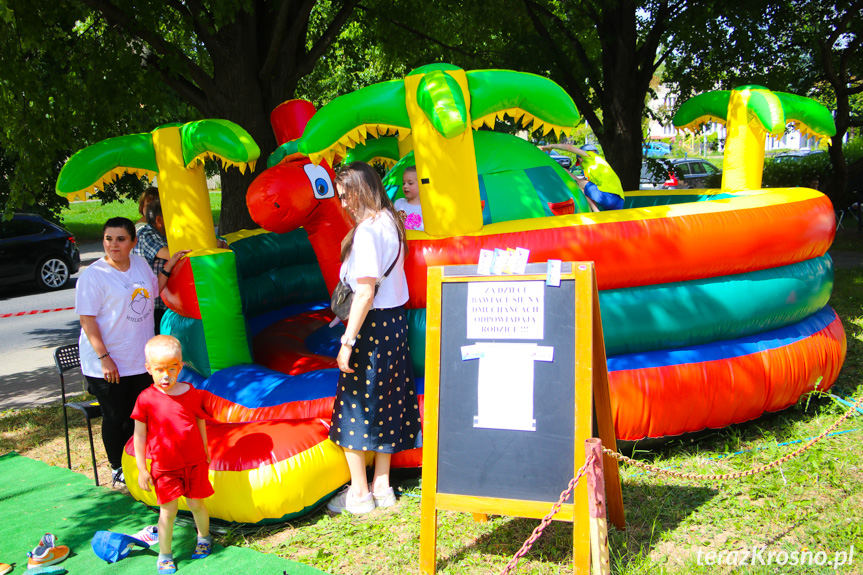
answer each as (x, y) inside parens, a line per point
(247, 100)
(617, 84)
(622, 146)
(837, 189)
(627, 71)
(257, 57)
(235, 214)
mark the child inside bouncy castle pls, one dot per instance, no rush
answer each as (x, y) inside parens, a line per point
(170, 429)
(409, 207)
(600, 184)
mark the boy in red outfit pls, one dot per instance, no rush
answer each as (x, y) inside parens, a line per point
(170, 430)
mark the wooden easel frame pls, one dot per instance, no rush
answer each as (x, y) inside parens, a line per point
(591, 391)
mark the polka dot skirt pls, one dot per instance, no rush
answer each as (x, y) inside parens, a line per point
(376, 407)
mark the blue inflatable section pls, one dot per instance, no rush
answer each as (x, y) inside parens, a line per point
(726, 349)
(255, 386)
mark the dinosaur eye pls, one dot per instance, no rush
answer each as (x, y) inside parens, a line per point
(319, 178)
(320, 187)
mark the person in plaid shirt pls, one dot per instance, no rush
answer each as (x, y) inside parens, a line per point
(153, 247)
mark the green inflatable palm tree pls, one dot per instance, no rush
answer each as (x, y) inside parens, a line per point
(435, 110)
(175, 154)
(751, 113)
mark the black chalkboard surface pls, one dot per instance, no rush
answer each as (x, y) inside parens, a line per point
(516, 453)
(531, 465)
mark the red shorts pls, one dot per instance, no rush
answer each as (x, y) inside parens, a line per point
(192, 482)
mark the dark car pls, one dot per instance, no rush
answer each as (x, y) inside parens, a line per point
(34, 249)
(796, 155)
(676, 173)
(564, 161)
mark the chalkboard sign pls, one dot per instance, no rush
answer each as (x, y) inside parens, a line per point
(510, 464)
(512, 370)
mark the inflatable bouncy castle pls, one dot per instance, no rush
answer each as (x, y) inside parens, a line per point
(714, 302)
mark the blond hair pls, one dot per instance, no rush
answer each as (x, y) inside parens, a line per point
(163, 346)
(362, 186)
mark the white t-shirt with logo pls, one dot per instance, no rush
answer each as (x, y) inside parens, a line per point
(412, 214)
(376, 243)
(122, 303)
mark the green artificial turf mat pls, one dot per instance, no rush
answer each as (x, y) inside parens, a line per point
(36, 498)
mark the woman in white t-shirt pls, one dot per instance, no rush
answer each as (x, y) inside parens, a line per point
(376, 407)
(114, 297)
(409, 207)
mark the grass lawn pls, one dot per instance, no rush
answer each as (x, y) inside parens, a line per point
(813, 502)
(85, 219)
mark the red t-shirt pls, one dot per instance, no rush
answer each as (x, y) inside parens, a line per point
(173, 438)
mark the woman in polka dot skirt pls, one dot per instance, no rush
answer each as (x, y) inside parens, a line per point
(376, 407)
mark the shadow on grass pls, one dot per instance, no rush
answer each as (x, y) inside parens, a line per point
(651, 511)
(775, 427)
(30, 428)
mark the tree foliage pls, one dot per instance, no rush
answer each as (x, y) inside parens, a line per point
(65, 81)
(606, 55)
(831, 36)
(807, 47)
(222, 58)
(94, 69)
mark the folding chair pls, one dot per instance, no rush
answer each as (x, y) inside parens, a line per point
(840, 215)
(66, 358)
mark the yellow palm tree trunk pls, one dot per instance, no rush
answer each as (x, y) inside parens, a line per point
(743, 161)
(446, 169)
(183, 193)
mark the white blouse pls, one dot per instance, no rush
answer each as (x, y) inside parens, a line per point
(376, 244)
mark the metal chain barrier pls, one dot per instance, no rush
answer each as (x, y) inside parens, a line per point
(547, 519)
(652, 468)
(738, 474)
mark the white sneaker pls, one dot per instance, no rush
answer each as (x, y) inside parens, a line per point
(346, 502)
(148, 535)
(386, 498)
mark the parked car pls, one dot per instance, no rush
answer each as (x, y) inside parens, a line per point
(795, 155)
(656, 149)
(676, 173)
(564, 161)
(34, 249)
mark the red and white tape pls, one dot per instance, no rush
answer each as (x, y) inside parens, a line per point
(35, 311)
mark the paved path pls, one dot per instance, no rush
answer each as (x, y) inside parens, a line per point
(29, 378)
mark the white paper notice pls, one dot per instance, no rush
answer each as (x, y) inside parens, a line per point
(483, 267)
(501, 258)
(470, 352)
(552, 277)
(505, 310)
(521, 257)
(505, 386)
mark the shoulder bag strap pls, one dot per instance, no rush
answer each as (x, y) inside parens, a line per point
(392, 265)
